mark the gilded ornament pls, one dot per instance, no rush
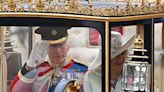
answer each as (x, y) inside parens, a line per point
(74, 7)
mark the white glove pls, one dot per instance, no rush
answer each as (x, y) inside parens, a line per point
(38, 54)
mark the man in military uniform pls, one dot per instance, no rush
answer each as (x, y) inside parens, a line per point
(53, 75)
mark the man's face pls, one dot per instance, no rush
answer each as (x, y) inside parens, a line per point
(117, 65)
(57, 53)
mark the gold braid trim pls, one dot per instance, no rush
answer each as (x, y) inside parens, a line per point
(57, 41)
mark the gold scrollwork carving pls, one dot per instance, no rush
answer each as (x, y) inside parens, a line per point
(11, 6)
(74, 7)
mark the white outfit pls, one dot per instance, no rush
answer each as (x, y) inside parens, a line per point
(92, 81)
(117, 87)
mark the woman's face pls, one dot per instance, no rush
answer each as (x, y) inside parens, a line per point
(57, 53)
(117, 65)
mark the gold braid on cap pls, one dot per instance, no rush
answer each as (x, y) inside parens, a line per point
(52, 42)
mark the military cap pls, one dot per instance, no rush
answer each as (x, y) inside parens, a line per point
(54, 35)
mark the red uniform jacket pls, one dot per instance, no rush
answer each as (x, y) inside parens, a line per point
(38, 83)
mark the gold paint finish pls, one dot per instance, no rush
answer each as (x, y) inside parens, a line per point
(80, 17)
(107, 32)
(11, 6)
(74, 7)
(139, 43)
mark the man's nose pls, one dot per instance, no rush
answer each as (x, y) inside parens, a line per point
(59, 51)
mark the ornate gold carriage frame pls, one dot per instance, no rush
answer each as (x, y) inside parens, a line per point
(102, 23)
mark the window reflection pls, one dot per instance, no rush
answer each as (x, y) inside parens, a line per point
(84, 49)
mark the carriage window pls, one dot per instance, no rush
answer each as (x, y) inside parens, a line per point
(28, 51)
(122, 39)
(16, 45)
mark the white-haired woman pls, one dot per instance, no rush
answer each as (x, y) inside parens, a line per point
(119, 46)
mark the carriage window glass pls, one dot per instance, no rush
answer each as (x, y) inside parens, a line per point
(16, 45)
(122, 38)
(84, 51)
